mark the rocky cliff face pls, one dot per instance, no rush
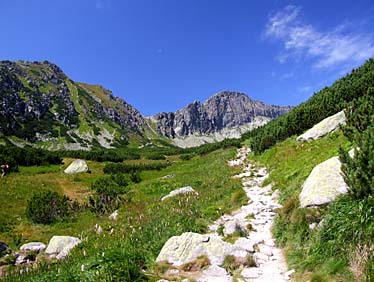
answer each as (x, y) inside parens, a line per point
(40, 104)
(223, 110)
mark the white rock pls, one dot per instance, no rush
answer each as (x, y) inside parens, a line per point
(266, 250)
(183, 190)
(114, 215)
(33, 246)
(289, 273)
(324, 127)
(189, 246)
(61, 246)
(324, 184)
(245, 243)
(251, 272)
(76, 166)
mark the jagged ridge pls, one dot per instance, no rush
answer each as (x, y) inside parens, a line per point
(225, 109)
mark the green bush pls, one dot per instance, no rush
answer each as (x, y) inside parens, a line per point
(113, 168)
(108, 195)
(47, 207)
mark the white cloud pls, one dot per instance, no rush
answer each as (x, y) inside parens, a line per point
(329, 49)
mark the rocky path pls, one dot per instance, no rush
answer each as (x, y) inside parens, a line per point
(258, 215)
(252, 225)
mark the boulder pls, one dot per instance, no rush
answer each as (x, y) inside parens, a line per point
(324, 127)
(183, 190)
(323, 185)
(76, 166)
(33, 246)
(60, 246)
(189, 246)
(168, 176)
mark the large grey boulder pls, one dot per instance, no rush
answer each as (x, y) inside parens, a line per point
(76, 166)
(324, 184)
(60, 246)
(183, 190)
(33, 246)
(324, 127)
(189, 246)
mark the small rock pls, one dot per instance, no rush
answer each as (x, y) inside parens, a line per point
(114, 215)
(168, 176)
(245, 244)
(33, 246)
(289, 273)
(20, 259)
(266, 250)
(251, 272)
(183, 190)
(312, 226)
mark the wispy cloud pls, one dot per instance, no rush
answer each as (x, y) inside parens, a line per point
(329, 49)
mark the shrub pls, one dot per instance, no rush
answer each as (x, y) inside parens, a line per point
(358, 172)
(47, 207)
(113, 168)
(186, 157)
(108, 195)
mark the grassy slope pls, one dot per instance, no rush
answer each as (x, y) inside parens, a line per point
(290, 163)
(145, 222)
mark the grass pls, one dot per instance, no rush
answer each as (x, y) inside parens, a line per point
(324, 253)
(144, 224)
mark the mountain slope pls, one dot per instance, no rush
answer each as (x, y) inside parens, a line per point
(41, 105)
(215, 117)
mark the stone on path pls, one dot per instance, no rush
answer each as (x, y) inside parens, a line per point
(60, 246)
(324, 184)
(189, 246)
(183, 190)
(76, 166)
(324, 127)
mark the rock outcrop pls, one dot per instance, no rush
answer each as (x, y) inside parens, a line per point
(60, 246)
(76, 166)
(324, 184)
(324, 127)
(223, 110)
(183, 190)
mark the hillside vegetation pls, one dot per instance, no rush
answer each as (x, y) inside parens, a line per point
(326, 102)
(127, 247)
(341, 247)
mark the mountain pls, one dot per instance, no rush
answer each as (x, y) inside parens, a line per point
(41, 105)
(226, 114)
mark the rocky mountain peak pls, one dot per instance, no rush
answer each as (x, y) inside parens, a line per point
(225, 109)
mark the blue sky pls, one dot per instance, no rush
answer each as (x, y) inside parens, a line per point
(160, 55)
